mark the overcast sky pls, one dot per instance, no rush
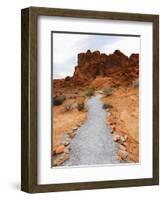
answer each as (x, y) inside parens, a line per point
(67, 46)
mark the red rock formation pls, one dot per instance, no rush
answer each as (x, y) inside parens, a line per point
(93, 64)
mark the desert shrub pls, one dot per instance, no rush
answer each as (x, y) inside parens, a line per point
(59, 100)
(80, 106)
(135, 83)
(107, 106)
(90, 92)
(108, 91)
(67, 107)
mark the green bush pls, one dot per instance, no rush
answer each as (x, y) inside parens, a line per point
(80, 106)
(90, 92)
(107, 106)
(108, 91)
(59, 100)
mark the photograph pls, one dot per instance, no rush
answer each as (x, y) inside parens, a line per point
(89, 99)
(95, 99)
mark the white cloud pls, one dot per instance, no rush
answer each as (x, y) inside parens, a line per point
(64, 46)
(67, 46)
(127, 45)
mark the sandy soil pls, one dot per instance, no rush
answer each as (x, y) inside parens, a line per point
(64, 122)
(124, 117)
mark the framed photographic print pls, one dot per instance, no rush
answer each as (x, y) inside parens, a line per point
(90, 99)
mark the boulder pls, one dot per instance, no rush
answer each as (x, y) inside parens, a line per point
(123, 154)
(125, 144)
(60, 158)
(66, 142)
(59, 149)
(116, 137)
(108, 114)
(118, 158)
(75, 128)
(122, 147)
(123, 138)
(65, 139)
(72, 134)
(67, 150)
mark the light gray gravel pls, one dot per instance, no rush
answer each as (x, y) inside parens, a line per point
(93, 143)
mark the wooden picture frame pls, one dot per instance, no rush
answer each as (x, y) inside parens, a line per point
(29, 86)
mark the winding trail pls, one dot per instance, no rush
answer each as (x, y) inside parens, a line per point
(93, 143)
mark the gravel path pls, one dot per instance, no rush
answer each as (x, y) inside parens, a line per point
(93, 143)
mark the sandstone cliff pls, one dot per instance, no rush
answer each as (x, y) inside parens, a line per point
(120, 68)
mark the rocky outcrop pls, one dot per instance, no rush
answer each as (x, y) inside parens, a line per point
(119, 67)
